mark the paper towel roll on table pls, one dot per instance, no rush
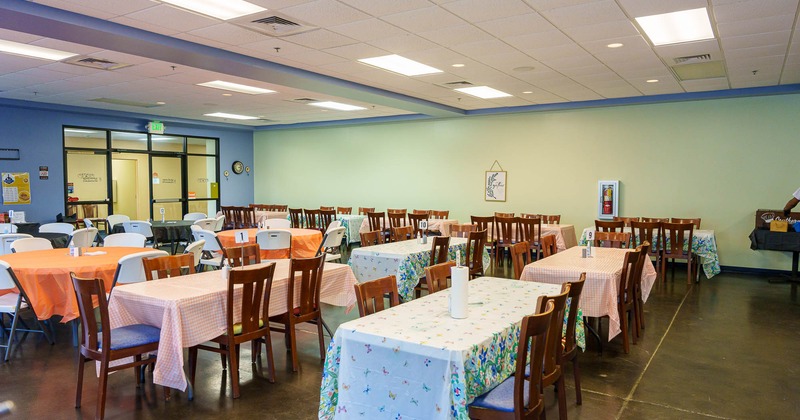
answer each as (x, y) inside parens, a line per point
(459, 292)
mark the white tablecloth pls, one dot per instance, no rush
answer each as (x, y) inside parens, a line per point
(352, 224)
(435, 225)
(415, 361)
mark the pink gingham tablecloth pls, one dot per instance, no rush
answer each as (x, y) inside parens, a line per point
(565, 234)
(437, 225)
(603, 271)
(191, 310)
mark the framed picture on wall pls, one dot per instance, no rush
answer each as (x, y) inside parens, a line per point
(495, 186)
(607, 199)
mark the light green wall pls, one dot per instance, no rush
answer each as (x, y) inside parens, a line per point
(716, 159)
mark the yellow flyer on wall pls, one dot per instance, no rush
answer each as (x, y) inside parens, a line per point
(16, 188)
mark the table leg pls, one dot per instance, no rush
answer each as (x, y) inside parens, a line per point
(594, 332)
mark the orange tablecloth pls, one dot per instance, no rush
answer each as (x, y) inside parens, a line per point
(45, 276)
(305, 242)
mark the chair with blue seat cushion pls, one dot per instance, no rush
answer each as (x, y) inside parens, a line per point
(569, 351)
(12, 305)
(520, 396)
(121, 343)
(254, 284)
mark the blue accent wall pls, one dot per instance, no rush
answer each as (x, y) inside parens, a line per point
(36, 129)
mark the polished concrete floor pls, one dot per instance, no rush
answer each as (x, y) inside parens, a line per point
(728, 348)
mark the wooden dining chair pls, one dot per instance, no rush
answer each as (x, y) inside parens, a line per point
(248, 218)
(676, 243)
(427, 213)
(363, 211)
(551, 219)
(377, 221)
(326, 217)
(414, 219)
(520, 257)
(296, 216)
(520, 396)
(473, 257)
(529, 229)
(397, 220)
(549, 246)
(499, 214)
(626, 298)
(396, 211)
(168, 266)
(487, 223)
(569, 351)
(626, 220)
(239, 256)
(650, 232)
(374, 237)
(230, 217)
(312, 219)
(254, 285)
(402, 233)
(305, 274)
(440, 214)
(436, 276)
(608, 226)
(505, 236)
(327, 208)
(655, 219)
(461, 231)
(344, 210)
(440, 249)
(638, 294)
(695, 222)
(371, 295)
(130, 341)
(612, 239)
(552, 374)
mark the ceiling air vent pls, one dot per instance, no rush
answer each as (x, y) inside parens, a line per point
(456, 85)
(273, 24)
(691, 59)
(304, 100)
(95, 63)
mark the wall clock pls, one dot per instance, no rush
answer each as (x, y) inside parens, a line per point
(238, 167)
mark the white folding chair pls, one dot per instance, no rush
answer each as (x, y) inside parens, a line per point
(83, 238)
(220, 223)
(12, 304)
(31, 244)
(114, 219)
(7, 239)
(334, 225)
(130, 268)
(274, 239)
(65, 228)
(330, 242)
(194, 216)
(135, 240)
(141, 227)
(8, 228)
(195, 248)
(206, 224)
(212, 249)
(277, 224)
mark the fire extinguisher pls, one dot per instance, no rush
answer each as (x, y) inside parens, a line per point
(607, 201)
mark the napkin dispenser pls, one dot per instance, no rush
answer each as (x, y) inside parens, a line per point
(459, 292)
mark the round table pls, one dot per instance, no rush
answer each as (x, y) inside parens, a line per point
(45, 276)
(305, 242)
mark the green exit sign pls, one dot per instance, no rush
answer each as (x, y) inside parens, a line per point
(155, 127)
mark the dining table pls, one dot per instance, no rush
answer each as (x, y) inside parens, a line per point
(704, 245)
(45, 276)
(406, 260)
(305, 242)
(603, 272)
(415, 361)
(191, 309)
(565, 234)
(434, 225)
(352, 224)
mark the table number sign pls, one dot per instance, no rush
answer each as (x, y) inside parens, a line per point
(242, 237)
(423, 225)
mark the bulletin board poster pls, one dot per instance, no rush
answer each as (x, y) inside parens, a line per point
(16, 188)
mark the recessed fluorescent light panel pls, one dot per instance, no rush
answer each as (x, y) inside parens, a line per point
(677, 27)
(399, 64)
(337, 106)
(220, 9)
(484, 92)
(231, 116)
(235, 87)
(26, 50)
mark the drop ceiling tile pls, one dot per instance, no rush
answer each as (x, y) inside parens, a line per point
(508, 61)
(482, 10)
(517, 25)
(454, 35)
(10, 64)
(440, 58)
(757, 40)
(267, 48)
(356, 51)
(69, 68)
(555, 52)
(539, 40)
(321, 39)
(567, 64)
(381, 8)
(81, 8)
(15, 36)
(403, 43)
(630, 45)
(227, 34)
(754, 63)
(585, 14)
(172, 19)
(617, 92)
(315, 58)
(751, 84)
(602, 31)
(555, 4)
(639, 8)
(65, 46)
(791, 74)
(479, 48)
(751, 9)
(669, 52)
(145, 26)
(770, 50)
(367, 29)
(421, 20)
(756, 26)
(324, 13)
(39, 75)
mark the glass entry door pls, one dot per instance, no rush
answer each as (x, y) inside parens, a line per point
(87, 184)
(167, 182)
